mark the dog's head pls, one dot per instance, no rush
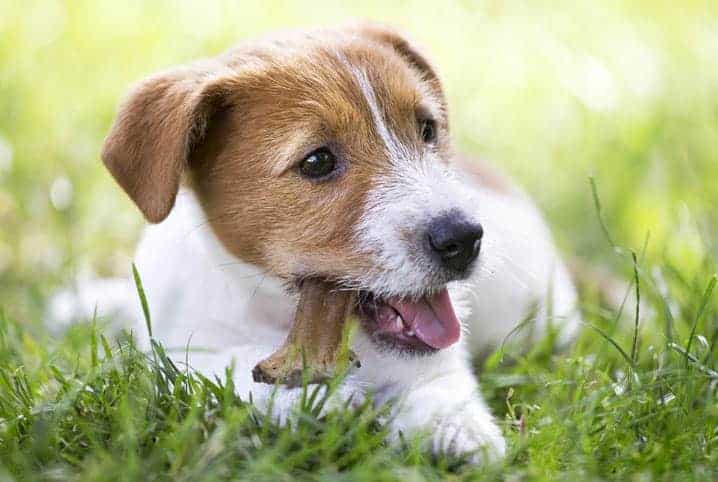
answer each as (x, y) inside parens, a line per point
(314, 154)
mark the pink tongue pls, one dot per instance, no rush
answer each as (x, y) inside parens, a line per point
(432, 319)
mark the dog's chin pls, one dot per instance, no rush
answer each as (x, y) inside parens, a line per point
(410, 325)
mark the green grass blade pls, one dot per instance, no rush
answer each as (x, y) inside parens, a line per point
(106, 347)
(599, 212)
(613, 342)
(93, 339)
(702, 307)
(143, 299)
(637, 284)
(692, 359)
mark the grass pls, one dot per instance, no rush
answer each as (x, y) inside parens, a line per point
(621, 93)
(83, 407)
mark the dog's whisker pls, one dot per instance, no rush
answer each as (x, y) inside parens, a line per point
(256, 288)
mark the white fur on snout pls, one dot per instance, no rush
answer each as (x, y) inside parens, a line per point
(393, 226)
(417, 188)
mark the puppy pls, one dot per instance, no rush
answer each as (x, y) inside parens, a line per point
(327, 154)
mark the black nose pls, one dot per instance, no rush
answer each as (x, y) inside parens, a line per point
(454, 241)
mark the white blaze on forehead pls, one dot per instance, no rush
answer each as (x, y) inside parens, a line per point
(395, 149)
(416, 188)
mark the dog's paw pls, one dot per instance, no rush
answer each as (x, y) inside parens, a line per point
(463, 430)
(468, 434)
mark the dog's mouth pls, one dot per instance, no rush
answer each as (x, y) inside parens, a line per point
(423, 325)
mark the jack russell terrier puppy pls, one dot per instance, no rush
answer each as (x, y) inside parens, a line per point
(327, 154)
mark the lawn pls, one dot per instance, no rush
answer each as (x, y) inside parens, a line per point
(605, 111)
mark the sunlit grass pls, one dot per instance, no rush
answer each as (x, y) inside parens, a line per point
(623, 401)
(553, 92)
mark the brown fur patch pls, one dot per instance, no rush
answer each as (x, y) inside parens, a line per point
(234, 130)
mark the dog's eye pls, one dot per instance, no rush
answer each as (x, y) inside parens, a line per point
(428, 130)
(319, 164)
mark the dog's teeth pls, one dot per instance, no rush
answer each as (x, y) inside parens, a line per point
(410, 333)
(398, 322)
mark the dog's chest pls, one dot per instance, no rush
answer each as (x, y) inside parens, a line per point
(196, 289)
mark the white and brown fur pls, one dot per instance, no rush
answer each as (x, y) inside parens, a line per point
(209, 152)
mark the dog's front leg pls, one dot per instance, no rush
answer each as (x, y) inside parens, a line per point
(449, 409)
(285, 403)
(281, 402)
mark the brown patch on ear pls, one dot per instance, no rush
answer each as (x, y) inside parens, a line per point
(403, 46)
(155, 132)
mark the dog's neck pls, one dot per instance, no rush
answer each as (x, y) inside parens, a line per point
(189, 222)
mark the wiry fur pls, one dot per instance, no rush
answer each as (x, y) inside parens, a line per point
(232, 131)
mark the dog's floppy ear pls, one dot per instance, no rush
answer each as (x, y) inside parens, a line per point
(163, 119)
(403, 46)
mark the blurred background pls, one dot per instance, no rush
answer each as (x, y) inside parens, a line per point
(552, 92)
